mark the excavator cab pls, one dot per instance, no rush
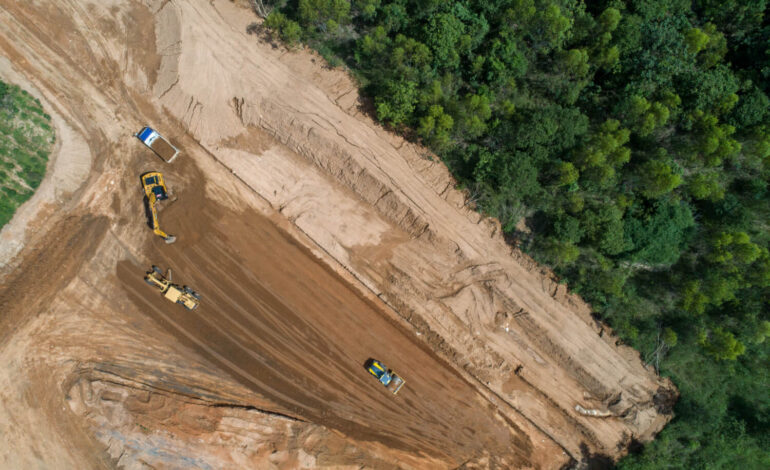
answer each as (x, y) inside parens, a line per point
(155, 190)
(153, 182)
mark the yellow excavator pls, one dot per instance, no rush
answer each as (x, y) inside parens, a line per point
(155, 190)
(182, 295)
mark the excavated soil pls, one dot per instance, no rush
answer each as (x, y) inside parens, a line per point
(317, 241)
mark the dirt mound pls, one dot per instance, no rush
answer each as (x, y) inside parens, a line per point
(317, 241)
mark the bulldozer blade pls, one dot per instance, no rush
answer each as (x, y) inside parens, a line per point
(396, 384)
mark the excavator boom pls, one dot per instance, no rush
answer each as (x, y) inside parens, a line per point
(155, 190)
(155, 225)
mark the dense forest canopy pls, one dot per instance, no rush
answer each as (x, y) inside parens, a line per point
(633, 139)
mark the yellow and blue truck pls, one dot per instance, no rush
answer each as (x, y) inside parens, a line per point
(386, 376)
(158, 144)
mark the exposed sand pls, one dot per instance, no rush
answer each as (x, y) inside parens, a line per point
(67, 170)
(317, 240)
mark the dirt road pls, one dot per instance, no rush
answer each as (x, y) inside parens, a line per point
(317, 240)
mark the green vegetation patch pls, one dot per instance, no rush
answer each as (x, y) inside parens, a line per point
(26, 140)
(633, 136)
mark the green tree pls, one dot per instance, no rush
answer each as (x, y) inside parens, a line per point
(574, 62)
(645, 117)
(609, 19)
(436, 127)
(696, 40)
(762, 333)
(715, 49)
(657, 178)
(565, 174)
(443, 34)
(714, 141)
(606, 57)
(321, 14)
(733, 249)
(372, 45)
(721, 344)
(561, 253)
(551, 27)
(693, 299)
(474, 114)
(603, 153)
(603, 227)
(706, 186)
(367, 8)
(289, 31)
(758, 145)
(397, 103)
(753, 109)
(567, 228)
(659, 234)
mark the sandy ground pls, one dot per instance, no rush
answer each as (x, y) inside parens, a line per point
(67, 168)
(317, 239)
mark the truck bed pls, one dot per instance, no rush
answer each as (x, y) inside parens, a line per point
(165, 150)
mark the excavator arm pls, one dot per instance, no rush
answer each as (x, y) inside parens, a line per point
(155, 225)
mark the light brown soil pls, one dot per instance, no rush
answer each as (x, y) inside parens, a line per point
(317, 241)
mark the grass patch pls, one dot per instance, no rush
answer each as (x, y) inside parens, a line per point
(26, 141)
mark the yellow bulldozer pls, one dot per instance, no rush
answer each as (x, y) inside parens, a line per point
(155, 190)
(182, 295)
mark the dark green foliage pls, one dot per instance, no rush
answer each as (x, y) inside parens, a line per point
(634, 137)
(660, 233)
(753, 108)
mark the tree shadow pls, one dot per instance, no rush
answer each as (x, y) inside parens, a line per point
(591, 461)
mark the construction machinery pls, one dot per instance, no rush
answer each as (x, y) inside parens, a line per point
(155, 190)
(386, 376)
(174, 292)
(157, 143)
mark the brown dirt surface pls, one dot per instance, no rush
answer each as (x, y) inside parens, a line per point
(316, 239)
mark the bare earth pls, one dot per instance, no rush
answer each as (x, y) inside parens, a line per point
(317, 240)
